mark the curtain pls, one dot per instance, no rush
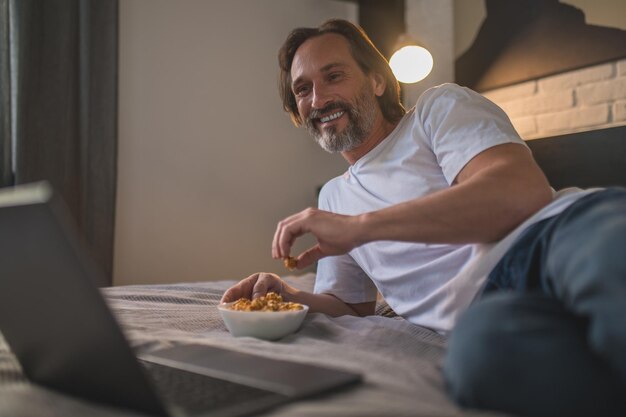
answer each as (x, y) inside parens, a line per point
(6, 171)
(63, 77)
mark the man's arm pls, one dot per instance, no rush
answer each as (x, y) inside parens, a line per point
(496, 191)
(259, 284)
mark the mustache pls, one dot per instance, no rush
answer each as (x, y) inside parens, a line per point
(336, 105)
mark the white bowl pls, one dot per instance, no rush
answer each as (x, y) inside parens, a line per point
(268, 325)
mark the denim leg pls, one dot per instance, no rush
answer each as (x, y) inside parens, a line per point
(586, 265)
(523, 353)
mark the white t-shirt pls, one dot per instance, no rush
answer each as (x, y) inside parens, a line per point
(428, 284)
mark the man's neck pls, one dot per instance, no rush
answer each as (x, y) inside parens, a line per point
(379, 133)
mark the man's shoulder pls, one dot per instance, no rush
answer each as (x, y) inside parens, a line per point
(452, 102)
(333, 184)
(329, 190)
(446, 91)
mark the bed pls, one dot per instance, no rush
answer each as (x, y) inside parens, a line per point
(400, 362)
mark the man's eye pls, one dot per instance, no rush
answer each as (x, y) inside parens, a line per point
(301, 91)
(334, 76)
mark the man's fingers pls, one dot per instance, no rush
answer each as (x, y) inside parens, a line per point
(267, 283)
(259, 290)
(287, 231)
(229, 295)
(282, 234)
(255, 286)
(276, 254)
(334, 233)
(309, 257)
(242, 289)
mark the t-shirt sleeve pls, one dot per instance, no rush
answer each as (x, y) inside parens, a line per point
(342, 277)
(460, 124)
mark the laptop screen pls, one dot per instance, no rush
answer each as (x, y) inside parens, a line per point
(52, 315)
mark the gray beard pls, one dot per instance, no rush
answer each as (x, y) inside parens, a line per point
(360, 122)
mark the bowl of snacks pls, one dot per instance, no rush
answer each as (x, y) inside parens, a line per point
(267, 317)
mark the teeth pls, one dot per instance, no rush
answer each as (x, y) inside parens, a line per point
(331, 117)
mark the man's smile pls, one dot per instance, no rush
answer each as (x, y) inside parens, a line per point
(332, 116)
(330, 119)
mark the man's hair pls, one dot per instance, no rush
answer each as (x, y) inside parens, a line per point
(364, 53)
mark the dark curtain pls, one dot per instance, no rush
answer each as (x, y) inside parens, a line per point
(64, 75)
(6, 171)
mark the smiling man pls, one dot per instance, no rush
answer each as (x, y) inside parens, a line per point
(338, 100)
(445, 213)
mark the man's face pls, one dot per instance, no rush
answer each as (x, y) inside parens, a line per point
(336, 100)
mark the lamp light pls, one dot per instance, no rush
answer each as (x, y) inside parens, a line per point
(410, 63)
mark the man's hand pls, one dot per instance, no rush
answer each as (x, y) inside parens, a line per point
(336, 234)
(257, 285)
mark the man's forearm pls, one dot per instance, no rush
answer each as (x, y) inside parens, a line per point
(483, 209)
(321, 303)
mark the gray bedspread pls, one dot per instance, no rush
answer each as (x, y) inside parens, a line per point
(400, 362)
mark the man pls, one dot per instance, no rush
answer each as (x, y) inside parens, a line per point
(443, 207)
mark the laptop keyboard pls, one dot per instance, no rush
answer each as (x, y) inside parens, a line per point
(194, 393)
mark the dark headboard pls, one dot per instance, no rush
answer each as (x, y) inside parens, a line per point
(595, 158)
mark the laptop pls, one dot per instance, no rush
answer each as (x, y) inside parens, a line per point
(57, 324)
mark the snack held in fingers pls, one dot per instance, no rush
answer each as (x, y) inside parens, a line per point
(290, 263)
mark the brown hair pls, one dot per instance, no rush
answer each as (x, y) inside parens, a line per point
(364, 53)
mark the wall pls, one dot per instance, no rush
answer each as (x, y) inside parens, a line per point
(431, 22)
(208, 162)
(588, 98)
(469, 14)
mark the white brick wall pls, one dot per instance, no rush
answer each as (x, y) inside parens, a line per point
(575, 78)
(539, 103)
(584, 99)
(602, 92)
(573, 119)
(619, 111)
(621, 67)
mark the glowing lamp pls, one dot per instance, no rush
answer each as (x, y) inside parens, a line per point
(411, 63)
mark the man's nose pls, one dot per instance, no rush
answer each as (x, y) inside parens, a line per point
(321, 98)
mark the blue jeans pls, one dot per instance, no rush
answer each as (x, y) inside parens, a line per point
(548, 335)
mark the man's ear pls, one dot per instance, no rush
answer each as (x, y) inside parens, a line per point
(378, 83)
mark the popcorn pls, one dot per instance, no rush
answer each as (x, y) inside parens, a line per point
(290, 263)
(270, 302)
